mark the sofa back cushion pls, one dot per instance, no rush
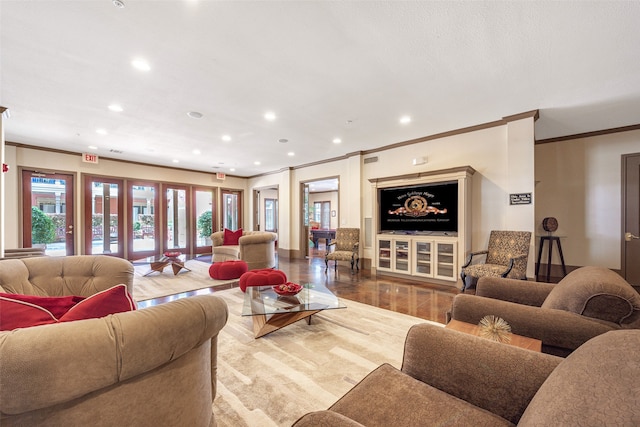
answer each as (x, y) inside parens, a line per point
(81, 275)
(596, 292)
(595, 385)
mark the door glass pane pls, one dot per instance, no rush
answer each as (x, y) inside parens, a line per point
(176, 218)
(230, 211)
(104, 218)
(326, 215)
(143, 218)
(204, 220)
(48, 215)
(270, 214)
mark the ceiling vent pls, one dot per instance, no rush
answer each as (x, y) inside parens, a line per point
(115, 151)
(370, 160)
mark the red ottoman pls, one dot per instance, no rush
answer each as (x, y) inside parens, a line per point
(227, 270)
(262, 277)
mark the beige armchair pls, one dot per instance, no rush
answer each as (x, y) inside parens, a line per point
(454, 379)
(154, 366)
(256, 248)
(346, 247)
(587, 302)
(506, 256)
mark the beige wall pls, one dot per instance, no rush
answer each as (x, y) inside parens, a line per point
(580, 183)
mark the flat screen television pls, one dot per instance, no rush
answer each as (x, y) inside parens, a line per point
(419, 209)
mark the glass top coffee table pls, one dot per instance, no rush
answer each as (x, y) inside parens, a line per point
(271, 311)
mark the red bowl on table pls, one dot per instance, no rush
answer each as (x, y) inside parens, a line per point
(287, 289)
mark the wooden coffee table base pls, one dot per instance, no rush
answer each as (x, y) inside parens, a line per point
(517, 340)
(265, 324)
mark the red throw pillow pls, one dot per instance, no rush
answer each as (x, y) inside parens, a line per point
(231, 237)
(111, 301)
(57, 306)
(23, 311)
(21, 314)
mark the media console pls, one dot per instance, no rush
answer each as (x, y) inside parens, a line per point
(425, 252)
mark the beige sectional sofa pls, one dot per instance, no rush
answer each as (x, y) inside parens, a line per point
(449, 378)
(150, 367)
(256, 248)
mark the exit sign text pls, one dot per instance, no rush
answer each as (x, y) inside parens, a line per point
(90, 158)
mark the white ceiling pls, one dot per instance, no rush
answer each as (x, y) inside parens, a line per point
(326, 69)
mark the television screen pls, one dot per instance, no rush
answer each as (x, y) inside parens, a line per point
(419, 208)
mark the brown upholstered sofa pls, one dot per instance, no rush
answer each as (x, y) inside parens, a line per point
(587, 302)
(256, 248)
(154, 366)
(454, 379)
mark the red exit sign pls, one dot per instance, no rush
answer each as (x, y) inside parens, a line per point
(90, 158)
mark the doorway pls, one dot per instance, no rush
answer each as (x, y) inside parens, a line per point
(320, 215)
(631, 218)
(47, 212)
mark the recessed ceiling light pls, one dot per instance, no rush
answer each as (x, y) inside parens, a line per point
(101, 131)
(196, 152)
(194, 114)
(256, 163)
(283, 140)
(232, 169)
(116, 108)
(270, 116)
(226, 138)
(118, 3)
(140, 64)
(291, 154)
(337, 140)
(176, 161)
(405, 119)
(92, 147)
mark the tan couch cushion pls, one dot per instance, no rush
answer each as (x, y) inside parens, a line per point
(591, 385)
(388, 397)
(596, 292)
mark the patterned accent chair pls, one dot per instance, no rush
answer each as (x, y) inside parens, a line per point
(506, 256)
(347, 248)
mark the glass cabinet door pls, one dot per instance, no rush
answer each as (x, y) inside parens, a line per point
(384, 254)
(445, 266)
(423, 263)
(401, 250)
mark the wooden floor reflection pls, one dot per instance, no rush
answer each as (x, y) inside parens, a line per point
(415, 298)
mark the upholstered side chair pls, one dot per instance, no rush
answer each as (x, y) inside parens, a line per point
(346, 247)
(506, 256)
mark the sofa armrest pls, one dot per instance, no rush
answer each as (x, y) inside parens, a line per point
(514, 290)
(497, 377)
(48, 365)
(217, 238)
(325, 418)
(555, 328)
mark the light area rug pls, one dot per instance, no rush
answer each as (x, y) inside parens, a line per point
(158, 284)
(273, 380)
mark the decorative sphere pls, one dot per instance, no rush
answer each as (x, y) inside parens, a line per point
(550, 224)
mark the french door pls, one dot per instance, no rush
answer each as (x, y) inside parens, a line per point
(177, 218)
(231, 207)
(204, 214)
(143, 230)
(103, 216)
(47, 212)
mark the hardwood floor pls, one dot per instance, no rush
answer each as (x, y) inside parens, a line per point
(419, 299)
